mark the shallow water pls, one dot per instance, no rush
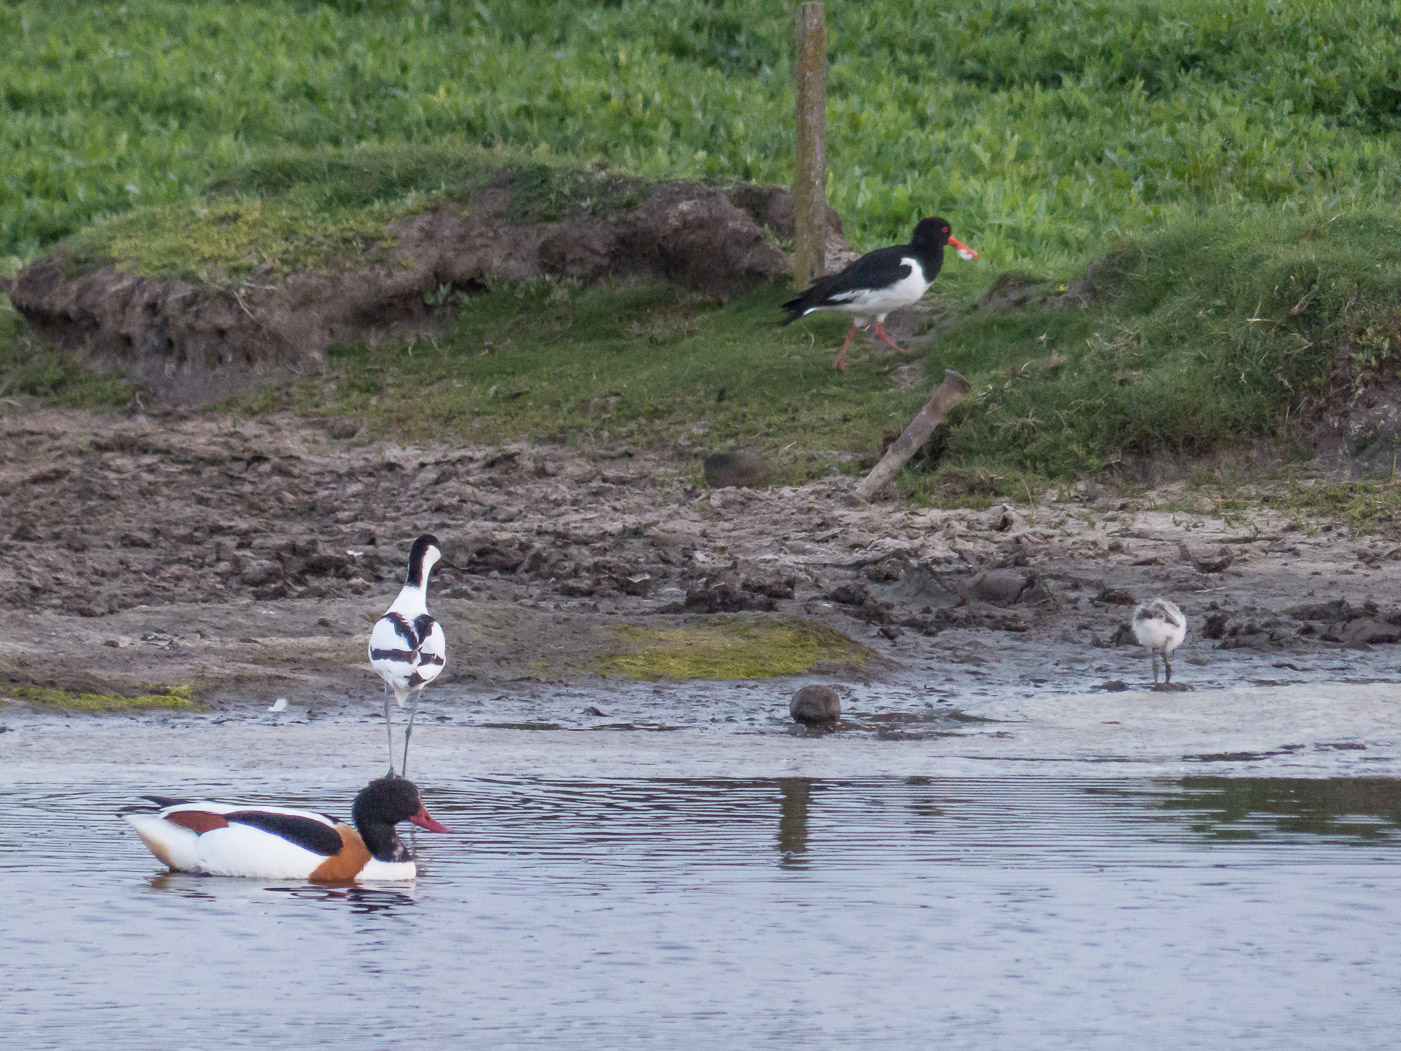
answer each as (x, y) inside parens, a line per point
(1008, 913)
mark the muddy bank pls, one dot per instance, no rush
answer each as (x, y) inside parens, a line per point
(195, 341)
(251, 558)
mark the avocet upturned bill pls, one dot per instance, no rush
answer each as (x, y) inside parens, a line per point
(272, 842)
(1161, 627)
(881, 281)
(407, 647)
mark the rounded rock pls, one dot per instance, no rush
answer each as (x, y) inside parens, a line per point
(736, 467)
(816, 706)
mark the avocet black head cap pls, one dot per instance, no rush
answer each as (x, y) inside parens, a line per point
(423, 556)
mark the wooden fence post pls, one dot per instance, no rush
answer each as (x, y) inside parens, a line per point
(810, 177)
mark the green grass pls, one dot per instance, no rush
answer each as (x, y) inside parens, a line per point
(1209, 333)
(1044, 130)
(1367, 506)
(630, 361)
(1213, 331)
(321, 209)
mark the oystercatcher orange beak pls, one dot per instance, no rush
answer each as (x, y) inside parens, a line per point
(964, 252)
(423, 820)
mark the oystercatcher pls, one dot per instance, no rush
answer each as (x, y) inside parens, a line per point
(1161, 627)
(273, 842)
(407, 647)
(881, 281)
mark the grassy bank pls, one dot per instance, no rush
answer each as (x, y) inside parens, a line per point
(1237, 165)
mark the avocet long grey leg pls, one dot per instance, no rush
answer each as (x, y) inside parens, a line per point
(408, 732)
(389, 728)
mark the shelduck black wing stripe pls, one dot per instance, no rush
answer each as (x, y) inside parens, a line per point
(304, 831)
(404, 656)
(165, 801)
(405, 630)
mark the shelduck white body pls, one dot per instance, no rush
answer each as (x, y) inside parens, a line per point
(408, 649)
(1160, 626)
(271, 842)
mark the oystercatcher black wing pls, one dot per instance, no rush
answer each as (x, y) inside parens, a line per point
(882, 269)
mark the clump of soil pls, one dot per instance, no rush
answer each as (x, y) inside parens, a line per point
(194, 342)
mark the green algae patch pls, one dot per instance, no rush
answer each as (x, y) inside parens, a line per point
(176, 698)
(728, 647)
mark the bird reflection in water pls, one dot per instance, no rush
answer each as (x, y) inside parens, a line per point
(357, 898)
(794, 793)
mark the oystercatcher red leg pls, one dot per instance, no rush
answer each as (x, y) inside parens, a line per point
(880, 335)
(840, 363)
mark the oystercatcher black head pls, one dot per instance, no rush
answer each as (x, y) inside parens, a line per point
(881, 281)
(935, 233)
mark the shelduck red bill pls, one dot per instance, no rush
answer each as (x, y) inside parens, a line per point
(425, 820)
(964, 252)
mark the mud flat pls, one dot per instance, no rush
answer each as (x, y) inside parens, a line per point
(606, 591)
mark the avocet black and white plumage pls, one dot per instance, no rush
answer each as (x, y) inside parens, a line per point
(407, 647)
(881, 281)
(274, 842)
(1161, 627)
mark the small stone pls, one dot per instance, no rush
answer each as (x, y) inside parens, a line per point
(999, 587)
(1002, 519)
(1112, 597)
(736, 467)
(816, 706)
(1367, 630)
(261, 572)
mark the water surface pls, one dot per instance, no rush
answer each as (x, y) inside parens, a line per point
(996, 913)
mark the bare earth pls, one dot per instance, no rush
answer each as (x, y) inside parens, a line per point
(250, 558)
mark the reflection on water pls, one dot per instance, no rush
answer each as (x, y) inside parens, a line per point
(794, 794)
(745, 913)
(1364, 809)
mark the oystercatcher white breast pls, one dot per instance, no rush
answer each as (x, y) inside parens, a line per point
(274, 842)
(881, 281)
(407, 647)
(1160, 626)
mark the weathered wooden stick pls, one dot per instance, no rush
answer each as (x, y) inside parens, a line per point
(810, 175)
(948, 394)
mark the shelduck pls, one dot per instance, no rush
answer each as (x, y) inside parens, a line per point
(881, 281)
(274, 842)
